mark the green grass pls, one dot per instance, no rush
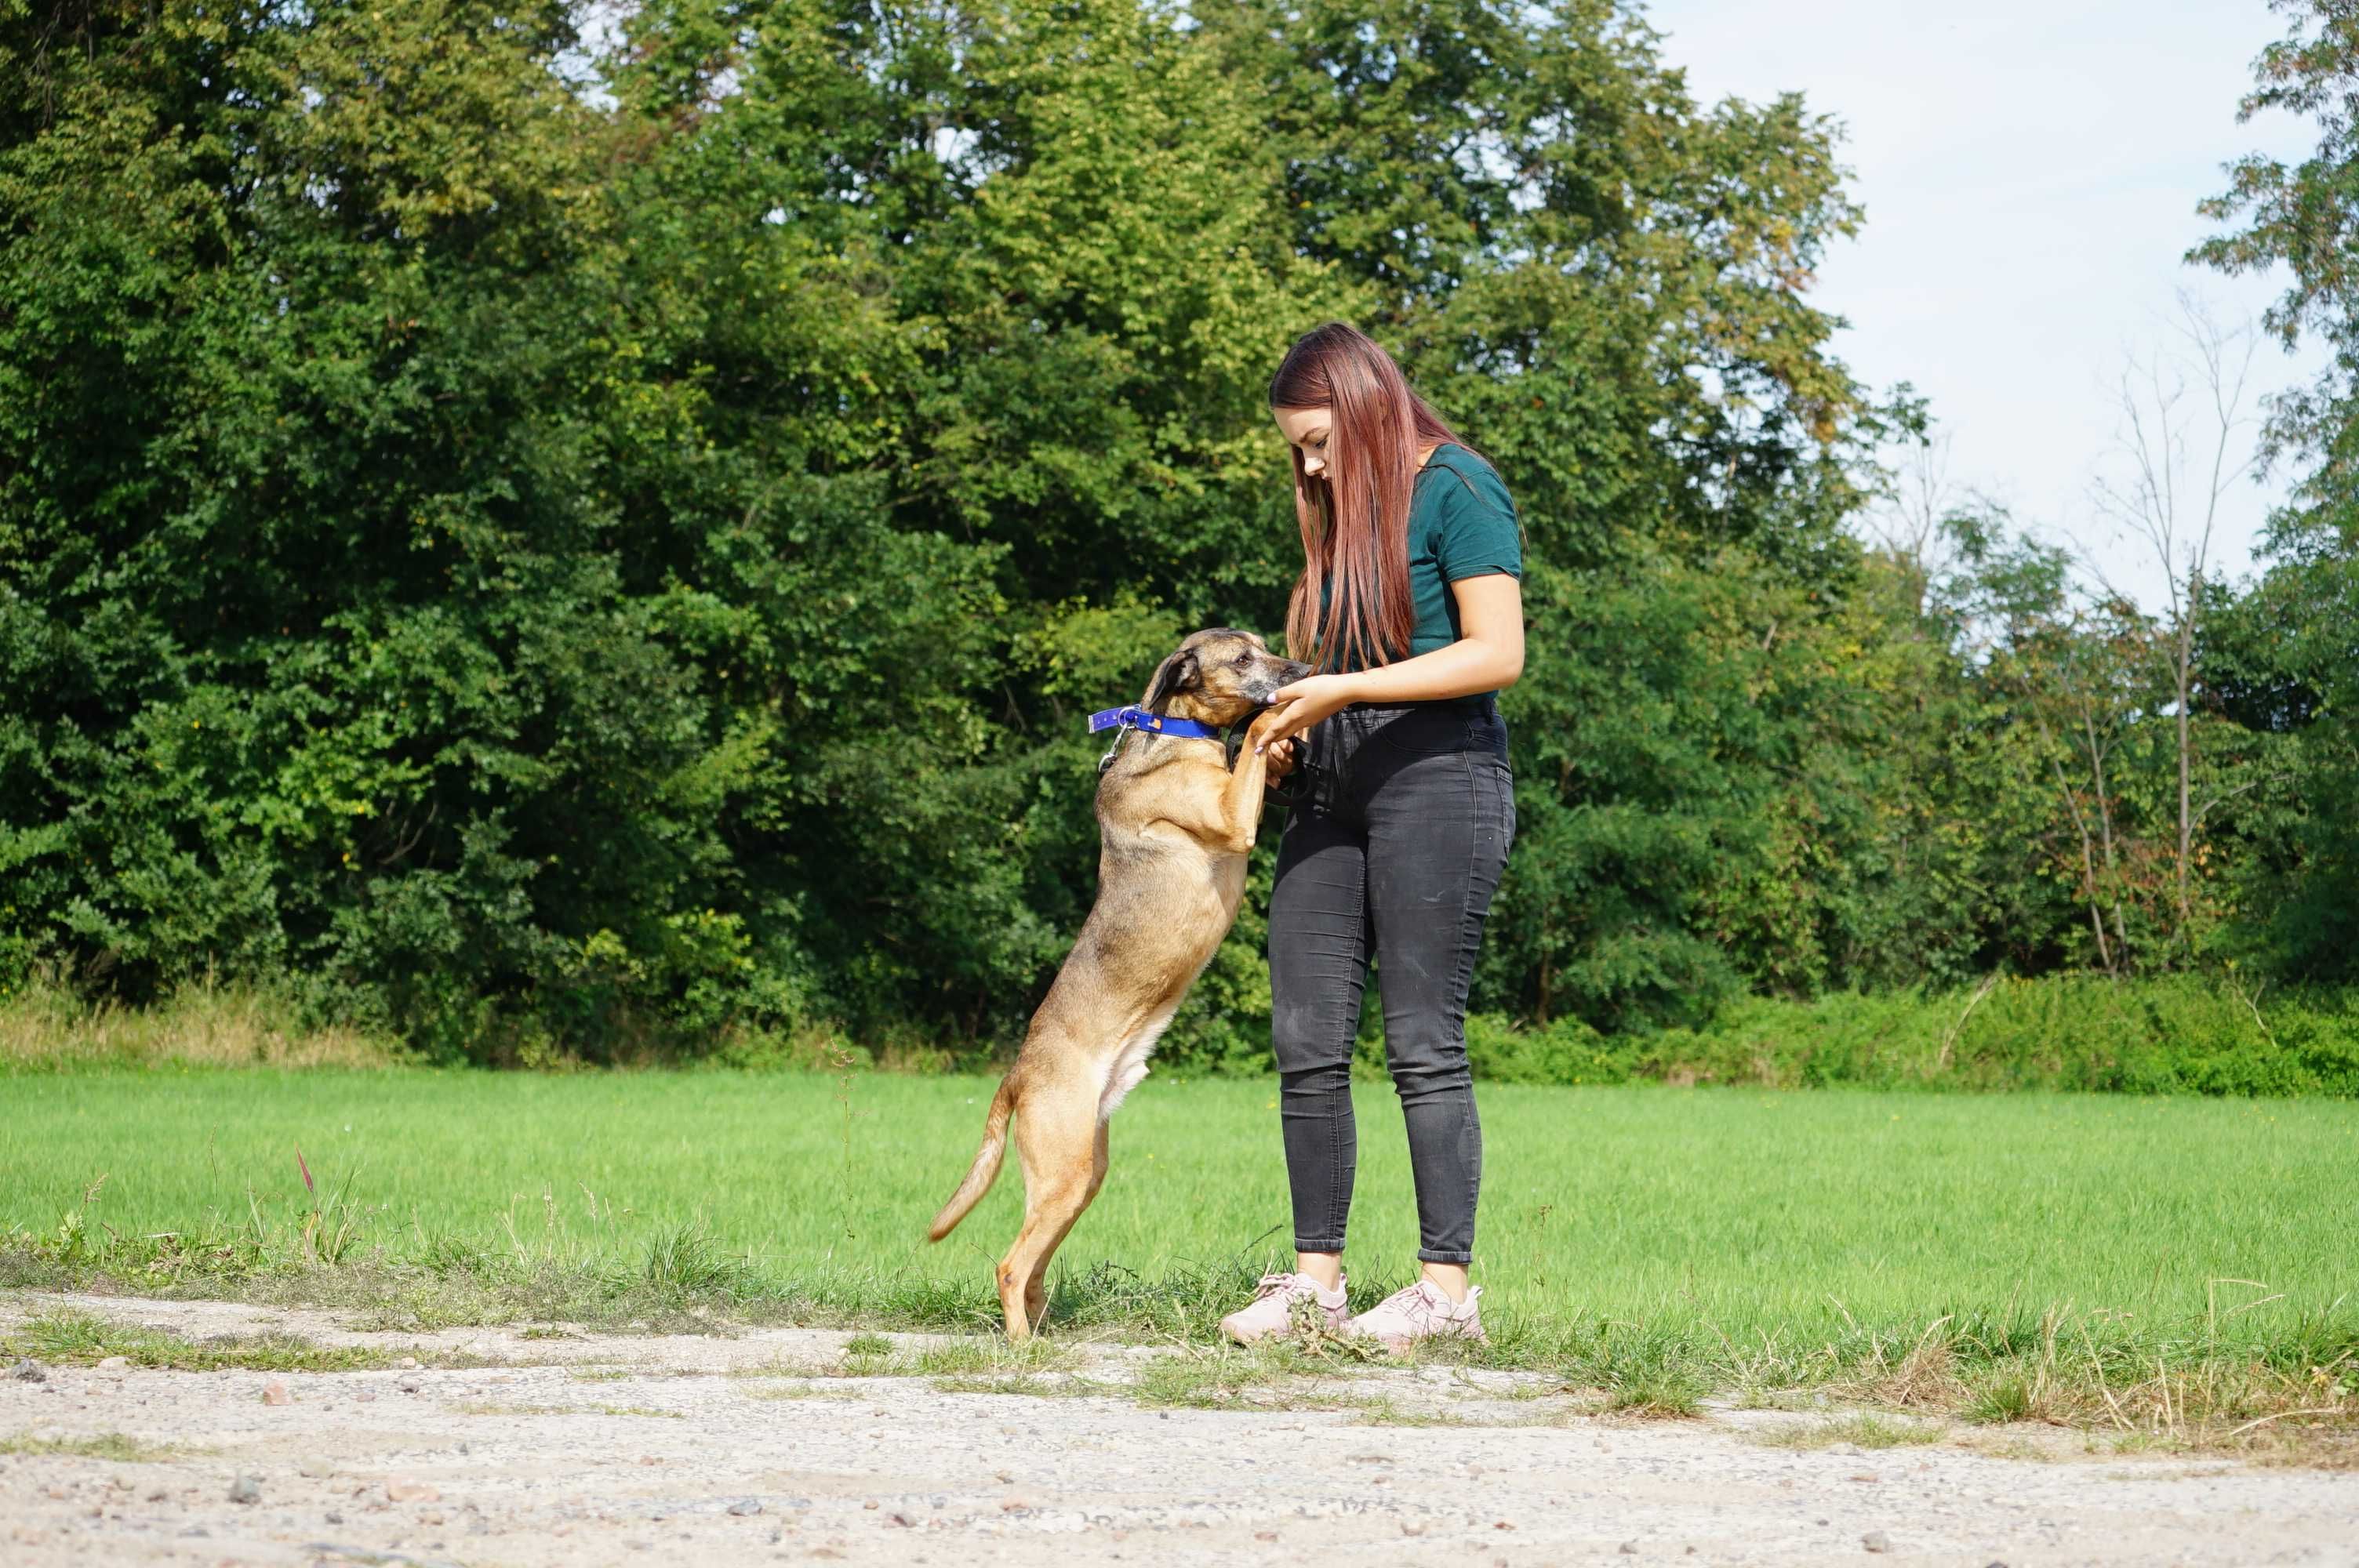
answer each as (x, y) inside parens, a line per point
(82, 1339)
(2032, 1255)
(111, 1446)
(1862, 1429)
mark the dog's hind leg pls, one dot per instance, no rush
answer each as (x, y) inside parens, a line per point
(1036, 1283)
(1036, 1287)
(1063, 1145)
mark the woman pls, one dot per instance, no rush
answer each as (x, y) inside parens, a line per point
(1404, 812)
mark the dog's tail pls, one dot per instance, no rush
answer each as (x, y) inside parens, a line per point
(985, 1169)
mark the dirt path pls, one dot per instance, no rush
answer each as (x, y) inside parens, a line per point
(633, 1449)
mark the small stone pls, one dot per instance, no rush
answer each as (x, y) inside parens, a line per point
(407, 1364)
(27, 1370)
(113, 1363)
(1411, 1527)
(1503, 1524)
(1845, 1449)
(410, 1385)
(1629, 1548)
(1876, 1540)
(902, 1520)
(745, 1507)
(335, 1518)
(275, 1394)
(1265, 1535)
(403, 1490)
(245, 1489)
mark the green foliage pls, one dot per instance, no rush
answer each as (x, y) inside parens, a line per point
(2291, 663)
(2177, 1034)
(547, 557)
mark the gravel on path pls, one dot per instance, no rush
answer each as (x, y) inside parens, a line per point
(604, 1448)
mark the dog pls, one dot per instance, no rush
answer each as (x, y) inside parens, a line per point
(1175, 822)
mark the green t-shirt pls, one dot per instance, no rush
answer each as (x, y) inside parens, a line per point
(1462, 524)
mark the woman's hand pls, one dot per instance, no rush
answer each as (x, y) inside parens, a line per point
(1281, 759)
(1298, 706)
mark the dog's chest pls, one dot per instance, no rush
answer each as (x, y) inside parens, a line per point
(1175, 865)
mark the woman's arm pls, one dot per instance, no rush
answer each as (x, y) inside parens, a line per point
(1487, 657)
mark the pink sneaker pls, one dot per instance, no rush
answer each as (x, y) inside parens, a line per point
(1420, 1312)
(1272, 1309)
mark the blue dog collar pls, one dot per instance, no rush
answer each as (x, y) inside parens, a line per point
(1153, 724)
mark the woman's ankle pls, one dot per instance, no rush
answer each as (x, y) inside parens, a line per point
(1327, 1268)
(1450, 1279)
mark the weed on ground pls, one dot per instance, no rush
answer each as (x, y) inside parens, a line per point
(111, 1446)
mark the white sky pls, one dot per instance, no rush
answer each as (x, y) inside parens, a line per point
(2029, 172)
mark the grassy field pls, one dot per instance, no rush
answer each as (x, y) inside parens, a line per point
(1666, 1240)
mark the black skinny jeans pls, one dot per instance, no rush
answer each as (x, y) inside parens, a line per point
(1395, 846)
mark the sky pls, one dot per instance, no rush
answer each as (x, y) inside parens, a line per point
(2030, 174)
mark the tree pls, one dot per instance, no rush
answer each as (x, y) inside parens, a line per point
(2297, 652)
(541, 558)
(2183, 448)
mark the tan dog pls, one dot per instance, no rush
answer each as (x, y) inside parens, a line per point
(1175, 825)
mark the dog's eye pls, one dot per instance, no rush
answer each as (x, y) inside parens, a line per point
(1244, 658)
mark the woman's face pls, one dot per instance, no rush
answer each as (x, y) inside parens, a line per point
(1308, 429)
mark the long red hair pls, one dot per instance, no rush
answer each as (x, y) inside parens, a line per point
(1354, 517)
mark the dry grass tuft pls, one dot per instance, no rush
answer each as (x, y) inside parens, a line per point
(1926, 1378)
(44, 1024)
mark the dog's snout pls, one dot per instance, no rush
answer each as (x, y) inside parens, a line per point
(1271, 673)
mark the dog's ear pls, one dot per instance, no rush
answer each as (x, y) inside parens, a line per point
(1177, 674)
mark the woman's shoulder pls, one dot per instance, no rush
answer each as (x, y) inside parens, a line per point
(1473, 473)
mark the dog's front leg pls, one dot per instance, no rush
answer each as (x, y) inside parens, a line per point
(1241, 798)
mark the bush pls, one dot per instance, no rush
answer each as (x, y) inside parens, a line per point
(2177, 1034)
